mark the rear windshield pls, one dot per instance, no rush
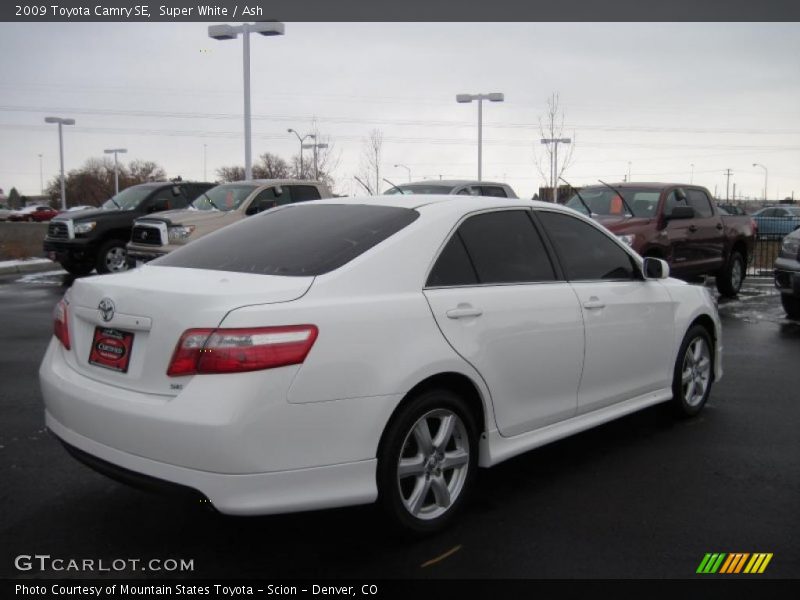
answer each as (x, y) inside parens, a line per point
(293, 240)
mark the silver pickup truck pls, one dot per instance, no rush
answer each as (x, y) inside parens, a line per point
(156, 235)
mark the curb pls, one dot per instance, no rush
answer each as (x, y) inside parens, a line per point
(33, 267)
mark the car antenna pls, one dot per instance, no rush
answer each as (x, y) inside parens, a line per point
(586, 206)
(366, 187)
(625, 202)
(393, 185)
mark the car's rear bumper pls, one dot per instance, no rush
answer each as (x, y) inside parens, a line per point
(255, 494)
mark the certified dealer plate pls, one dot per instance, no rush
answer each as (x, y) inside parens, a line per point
(111, 348)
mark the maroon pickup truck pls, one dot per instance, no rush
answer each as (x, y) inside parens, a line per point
(676, 222)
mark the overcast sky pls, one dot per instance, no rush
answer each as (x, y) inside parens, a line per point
(660, 96)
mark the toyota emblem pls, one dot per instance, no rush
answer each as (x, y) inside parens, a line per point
(106, 308)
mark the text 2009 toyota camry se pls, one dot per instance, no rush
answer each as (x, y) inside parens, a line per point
(345, 351)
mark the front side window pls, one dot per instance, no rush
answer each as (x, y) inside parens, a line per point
(228, 196)
(492, 248)
(700, 202)
(586, 253)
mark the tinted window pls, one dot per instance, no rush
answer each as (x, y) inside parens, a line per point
(671, 202)
(453, 267)
(505, 247)
(700, 202)
(165, 199)
(295, 240)
(586, 253)
(266, 199)
(493, 191)
(302, 193)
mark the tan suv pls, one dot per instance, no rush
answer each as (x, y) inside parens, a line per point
(156, 235)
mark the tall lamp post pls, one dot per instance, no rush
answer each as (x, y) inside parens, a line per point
(315, 146)
(61, 121)
(554, 161)
(408, 170)
(301, 140)
(467, 98)
(691, 174)
(765, 179)
(116, 151)
(41, 176)
(230, 32)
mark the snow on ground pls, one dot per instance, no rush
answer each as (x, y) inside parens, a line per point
(24, 261)
(43, 277)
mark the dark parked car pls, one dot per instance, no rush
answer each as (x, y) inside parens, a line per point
(787, 274)
(459, 187)
(675, 222)
(95, 239)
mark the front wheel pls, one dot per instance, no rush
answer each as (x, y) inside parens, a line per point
(791, 304)
(694, 372)
(112, 257)
(78, 269)
(427, 462)
(730, 278)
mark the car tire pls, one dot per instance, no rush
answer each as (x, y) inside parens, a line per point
(730, 278)
(112, 257)
(424, 479)
(791, 304)
(78, 269)
(693, 373)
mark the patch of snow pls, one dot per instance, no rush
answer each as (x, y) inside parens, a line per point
(24, 261)
(37, 277)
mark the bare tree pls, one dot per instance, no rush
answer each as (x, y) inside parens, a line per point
(371, 156)
(229, 174)
(551, 126)
(271, 166)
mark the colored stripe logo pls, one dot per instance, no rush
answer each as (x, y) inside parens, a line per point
(734, 563)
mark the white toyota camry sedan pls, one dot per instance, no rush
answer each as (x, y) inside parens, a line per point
(347, 351)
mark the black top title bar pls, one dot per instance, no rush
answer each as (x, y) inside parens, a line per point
(399, 10)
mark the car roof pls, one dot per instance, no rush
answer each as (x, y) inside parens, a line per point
(660, 185)
(456, 203)
(450, 182)
(273, 182)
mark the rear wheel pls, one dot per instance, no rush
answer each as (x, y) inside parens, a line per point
(730, 278)
(694, 372)
(791, 304)
(427, 462)
(112, 257)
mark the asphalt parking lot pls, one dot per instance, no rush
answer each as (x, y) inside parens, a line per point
(644, 497)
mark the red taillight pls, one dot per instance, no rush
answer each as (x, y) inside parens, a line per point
(239, 350)
(60, 327)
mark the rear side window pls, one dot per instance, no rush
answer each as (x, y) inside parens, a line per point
(493, 191)
(302, 193)
(586, 253)
(294, 240)
(491, 248)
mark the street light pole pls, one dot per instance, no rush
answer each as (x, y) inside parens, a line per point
(691, 174)
(315, 146)
(408, 170)
(116, 151)
(230, 32)
(554, 161)
(466, 98)
(61, 121)
(301, 139)
(765, 179)
(41, 176)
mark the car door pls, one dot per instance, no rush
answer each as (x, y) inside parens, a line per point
(676, 235)
(497, 298)
(628, 321)
(706, 232)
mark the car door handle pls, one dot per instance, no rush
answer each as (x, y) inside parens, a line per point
(719, 226)
(692, 228)
(594, 302)
(463, 311)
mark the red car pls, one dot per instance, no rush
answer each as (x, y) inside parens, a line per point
(33, 213)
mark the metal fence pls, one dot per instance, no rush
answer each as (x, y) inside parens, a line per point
(769, 238)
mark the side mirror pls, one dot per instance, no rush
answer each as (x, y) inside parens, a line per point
(655, 268)
(680, 212)
(278, 190)
(680, 194)
(176, 190)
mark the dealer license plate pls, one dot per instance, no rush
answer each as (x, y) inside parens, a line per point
(111, 349)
